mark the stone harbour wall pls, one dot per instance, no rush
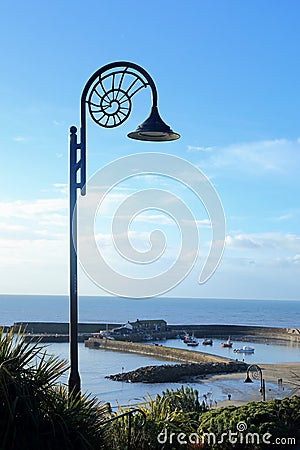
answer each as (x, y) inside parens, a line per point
(155, 350)
(172, 373)
(236, 332)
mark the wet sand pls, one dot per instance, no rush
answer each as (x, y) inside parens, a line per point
(288, 372)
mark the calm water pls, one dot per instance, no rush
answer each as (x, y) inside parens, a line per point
(264, 352)
(15, 308)
(96, 364)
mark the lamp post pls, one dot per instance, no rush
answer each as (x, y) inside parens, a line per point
(256, 373)
(107, 96)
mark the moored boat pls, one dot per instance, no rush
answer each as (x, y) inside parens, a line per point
(207, 341)
(227, 344)
(186, 338)
(244, 349)
(192, 342)
(182, 336)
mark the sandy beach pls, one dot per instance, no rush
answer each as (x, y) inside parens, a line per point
(288, 372)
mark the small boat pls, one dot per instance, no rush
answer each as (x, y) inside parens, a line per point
(244, 349)
(182, 336)
(227, 344)
(192, 342)
(186, 338)
(207, 341)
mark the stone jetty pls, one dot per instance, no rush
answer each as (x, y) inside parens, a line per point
(172, 373)
(190, 363)
(155, 350)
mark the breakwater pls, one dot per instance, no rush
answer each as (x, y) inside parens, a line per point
(157, 351)
(239, 332)
(174, 373)
(62, 327)
(59, 331)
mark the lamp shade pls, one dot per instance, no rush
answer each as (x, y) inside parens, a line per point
(248, 379)
(154, 129)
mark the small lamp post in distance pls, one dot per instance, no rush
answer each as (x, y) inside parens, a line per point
(256, 372)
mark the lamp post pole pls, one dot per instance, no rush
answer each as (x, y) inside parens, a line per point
(107, 96)
(256, 373)
(74, 379)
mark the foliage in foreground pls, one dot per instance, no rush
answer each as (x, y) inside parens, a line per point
(279, 418)
(180, 412)
(35, 410)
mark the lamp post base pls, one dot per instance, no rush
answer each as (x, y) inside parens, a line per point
(74, 383)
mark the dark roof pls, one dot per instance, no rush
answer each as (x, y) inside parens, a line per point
(149, 321)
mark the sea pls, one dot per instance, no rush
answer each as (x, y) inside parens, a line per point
(95, 365)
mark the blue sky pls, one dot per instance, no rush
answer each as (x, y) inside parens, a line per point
(227, 74)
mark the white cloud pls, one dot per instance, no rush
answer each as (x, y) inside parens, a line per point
(27, 209)
(279, 156)
(60, 185)
(265, 251)
(6, 227)
(20, 139)
(264, 241)
(284, 217)
(203, 223)
(34, 245)
(137, 255)
(29, 220)
(39, 251)
(242, 242)
(159, 219)
(192, 148)
(57, 123)
(289, 260)
(53, 220)
(63, 188)
(289, 215)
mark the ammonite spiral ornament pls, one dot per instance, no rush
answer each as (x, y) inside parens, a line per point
(255, 373)
(109, 100)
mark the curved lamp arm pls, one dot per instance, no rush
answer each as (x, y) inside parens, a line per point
(256, 373)
(107, 96)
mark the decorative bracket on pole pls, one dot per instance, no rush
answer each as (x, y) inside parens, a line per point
(108, 97)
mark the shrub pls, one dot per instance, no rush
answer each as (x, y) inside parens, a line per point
(279, 418)
(37, 413)
(180, 412)
(35, 410)
(175, 411)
